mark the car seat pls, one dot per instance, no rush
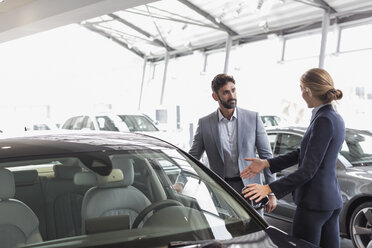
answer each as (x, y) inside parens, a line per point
(112, 195)
(18, 223)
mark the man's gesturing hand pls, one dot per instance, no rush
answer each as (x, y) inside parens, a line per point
(254, 168)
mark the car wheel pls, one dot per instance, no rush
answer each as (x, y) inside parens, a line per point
(361, 226)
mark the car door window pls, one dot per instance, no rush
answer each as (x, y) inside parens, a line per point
(138, 123)
(68, 124)
(287, 143)
(77, 123)
(89, 124)
(106, 124)
(272, 139)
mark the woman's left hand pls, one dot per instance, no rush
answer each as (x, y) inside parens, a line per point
(256, 191)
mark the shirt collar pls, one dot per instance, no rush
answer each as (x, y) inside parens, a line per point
(221, 117)
(315, 110)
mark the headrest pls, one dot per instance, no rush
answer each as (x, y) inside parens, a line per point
(25, 178)
(90, 178)
(7, 186)
(126, 165)
(65, 172)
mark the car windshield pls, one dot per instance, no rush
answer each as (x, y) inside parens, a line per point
(138, 123)
(357, 148)
(137, 201)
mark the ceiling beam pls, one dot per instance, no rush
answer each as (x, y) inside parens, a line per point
(325, 4)
(157, 16)
(209, 17)
(141, 31)
(291, 30)
(107, 35)
(319, 4)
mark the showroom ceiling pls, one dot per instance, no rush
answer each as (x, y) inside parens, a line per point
(182, 26)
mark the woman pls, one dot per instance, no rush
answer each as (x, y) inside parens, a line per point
(314, 184)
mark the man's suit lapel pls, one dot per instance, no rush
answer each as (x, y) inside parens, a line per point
(215, 133)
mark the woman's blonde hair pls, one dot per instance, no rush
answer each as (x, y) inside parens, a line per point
(321, 85)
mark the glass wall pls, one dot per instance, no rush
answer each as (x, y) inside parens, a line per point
(85, 72)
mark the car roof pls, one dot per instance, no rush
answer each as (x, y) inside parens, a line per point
(61, 143)
(286, 128)
(109, 114)
(303, 130)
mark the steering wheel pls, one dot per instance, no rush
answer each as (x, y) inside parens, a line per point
(154, 207)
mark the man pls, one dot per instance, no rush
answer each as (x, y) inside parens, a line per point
(230, 134)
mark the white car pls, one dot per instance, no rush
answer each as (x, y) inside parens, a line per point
(139, 123)
(111, 122)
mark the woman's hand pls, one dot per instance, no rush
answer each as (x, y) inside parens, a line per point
(256, 191)
(254, 168)
(271, 205)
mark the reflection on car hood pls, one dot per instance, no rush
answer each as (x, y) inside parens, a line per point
(271, 237)
(364, 172)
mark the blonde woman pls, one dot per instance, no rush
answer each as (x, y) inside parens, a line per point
(314, 184)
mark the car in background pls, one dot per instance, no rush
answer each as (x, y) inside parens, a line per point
(111, 122)
(41, 125)
(139, 123)
(111, 189)
(354, 173)
(271, 120)
(19, 126)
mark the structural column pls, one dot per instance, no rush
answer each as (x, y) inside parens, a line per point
(166, 61)
(325, 25)
(142, 83)
(227, 54)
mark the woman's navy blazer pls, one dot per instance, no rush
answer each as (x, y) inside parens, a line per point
(314, 184)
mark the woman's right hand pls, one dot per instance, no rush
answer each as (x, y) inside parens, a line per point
(254, 168)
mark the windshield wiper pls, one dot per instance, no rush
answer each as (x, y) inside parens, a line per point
(197, 244)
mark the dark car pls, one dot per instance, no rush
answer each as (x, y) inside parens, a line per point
(354, 173)
(112, 189)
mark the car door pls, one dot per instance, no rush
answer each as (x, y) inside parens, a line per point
(285, 142)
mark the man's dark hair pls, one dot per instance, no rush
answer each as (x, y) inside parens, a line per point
(220, 80)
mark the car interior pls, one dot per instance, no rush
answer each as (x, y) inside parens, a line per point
(62, 198)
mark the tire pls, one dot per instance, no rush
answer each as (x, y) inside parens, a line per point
(360, 226)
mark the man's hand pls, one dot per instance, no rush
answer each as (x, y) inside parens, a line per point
(271, 205)
(254, 168)
(178, 187)
(256, 191)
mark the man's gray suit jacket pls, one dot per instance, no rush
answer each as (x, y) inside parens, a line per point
(251, 137)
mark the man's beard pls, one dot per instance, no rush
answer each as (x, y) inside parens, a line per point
(229, 104)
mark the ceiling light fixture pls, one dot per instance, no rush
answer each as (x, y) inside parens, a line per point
(264, 25)
(188, 44)
(259, 4)
(219, 18)
(2, 1)
(236, 12)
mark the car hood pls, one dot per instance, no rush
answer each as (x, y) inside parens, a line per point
(271, 237)
(363, 172)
